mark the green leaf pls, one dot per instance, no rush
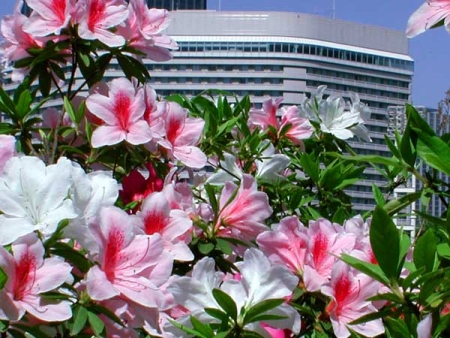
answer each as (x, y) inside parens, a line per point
(187, 329)
(425, 251)
(310, 166)
(443, 324)
(367, 158)
(3, 278)
(218, 314)
(204, 329)
(443, 250)
(226, 302)
(45, 82)
(369, 269)
(260, 308)
(434, 152)
(378, 195)
(385, 241)
(394, 206)
(205, 248)
(397, 328)
(69, 109)
(392, 147)
(76, 258)
(7, 104)
(407, 145)
(80, 316)
(33, 330)
(23, 105)
(96, 323)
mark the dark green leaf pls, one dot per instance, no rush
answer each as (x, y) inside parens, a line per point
(369, 269)
(3, 278)
(310, 166)
(45, 82)
(226, 302)
(33, 330)
(385, 241)
(7, 103)
(425, 251)
(260, 308)
(397, 328)
(216, 313)
(76, 258)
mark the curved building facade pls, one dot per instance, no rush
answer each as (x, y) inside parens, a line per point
(277, 54)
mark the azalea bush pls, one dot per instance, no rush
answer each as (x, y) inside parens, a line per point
(124, 214)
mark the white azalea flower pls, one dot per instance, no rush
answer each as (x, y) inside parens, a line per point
(335, 120)
(268, 168)
(335, 116)
(258, 281)
(271, 164)
(89, 193)
(33, 197)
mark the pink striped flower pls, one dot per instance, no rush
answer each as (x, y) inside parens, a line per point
(326, 242)
(426, 16)
(122, 111)
(182, 136)
(16, 41)
(29, 275)
(348, 291)
(125, 261)
(243, 210)
(95, 19)
(49, 16)
(286, 244)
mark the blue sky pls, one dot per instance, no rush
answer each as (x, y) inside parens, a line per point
(430, 50)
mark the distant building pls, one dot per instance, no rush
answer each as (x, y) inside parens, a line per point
(276, 54)
(173, 5)
(279, 54)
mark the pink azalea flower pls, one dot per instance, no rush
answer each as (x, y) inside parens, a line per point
(427, 15)
(286, 244)
(29, 275)
(48, 16)
(7, 149)
(182, 135)
(122, 110)
(172, 225)
(16, 41)
(97, 17)
(300, 128)
(293, 126)
(267, 116)
(243, 210)
(326, 241)
(348, 291)
(124, 260)
(143, 31)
